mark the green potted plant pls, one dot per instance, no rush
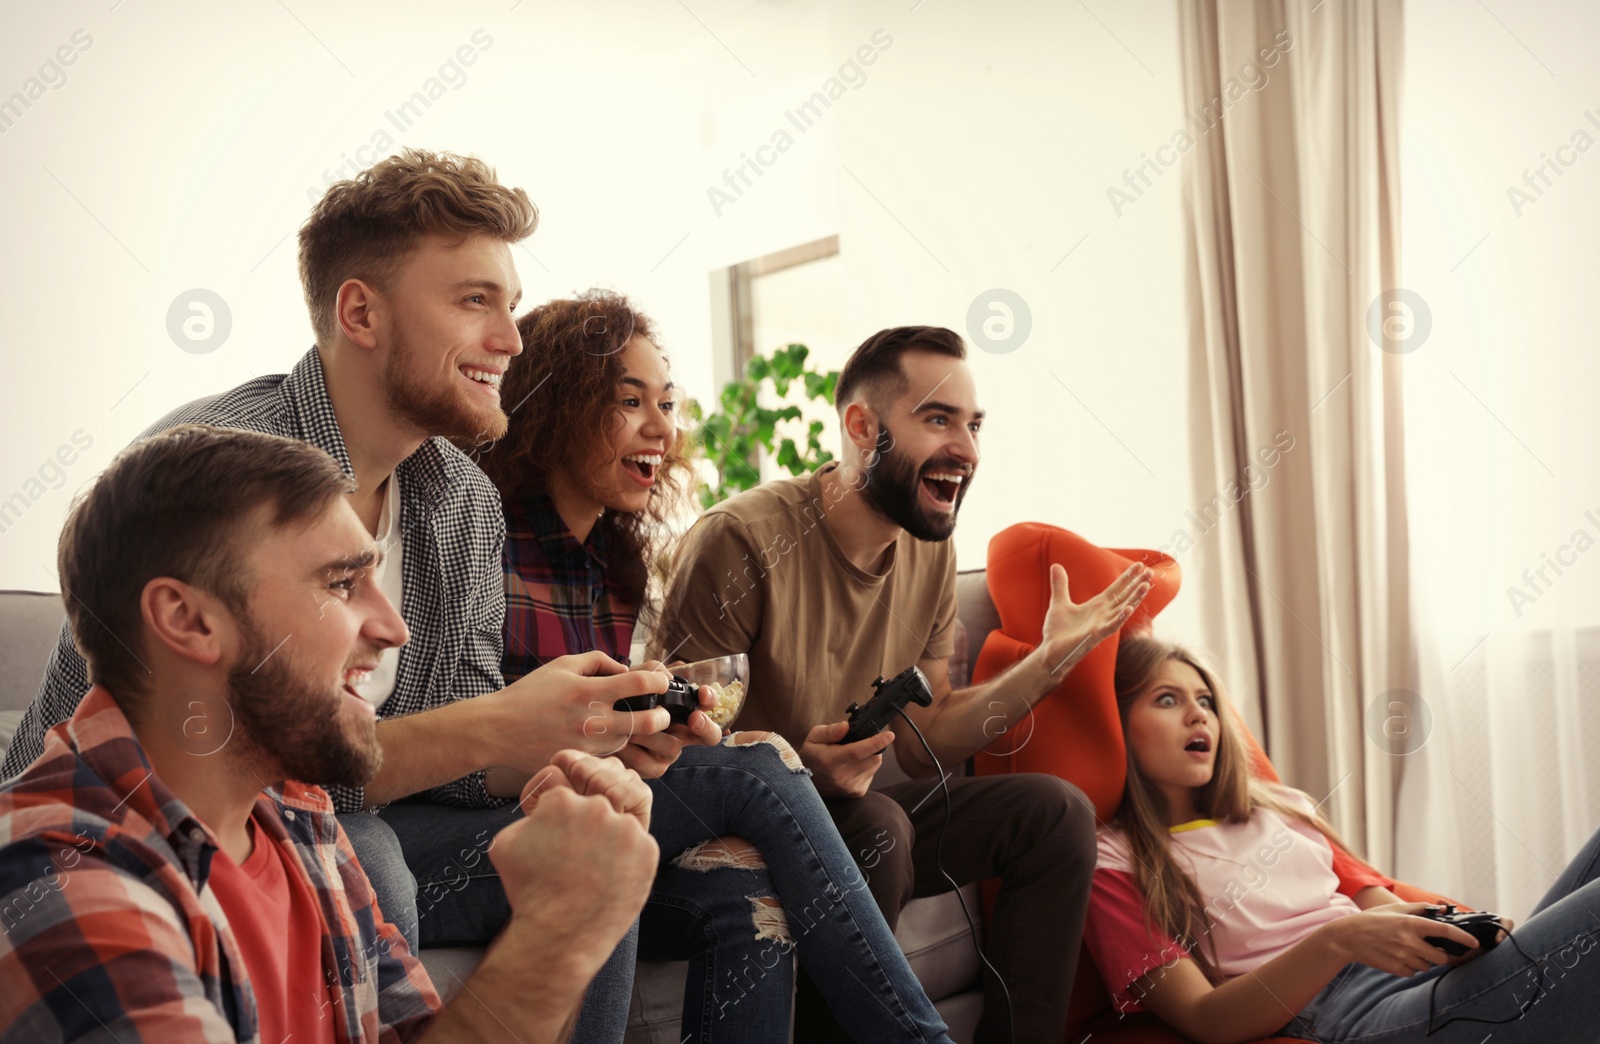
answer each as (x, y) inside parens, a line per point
(731, 436)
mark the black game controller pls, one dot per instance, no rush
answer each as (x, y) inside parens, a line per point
(909, 686)
(681, 700)
(1484, 927)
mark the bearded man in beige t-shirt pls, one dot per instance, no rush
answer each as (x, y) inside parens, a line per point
(829, 581)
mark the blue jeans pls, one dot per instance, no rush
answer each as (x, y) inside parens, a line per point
(741, 971)
(740, 985)
(378, 851)
(1560, 987)
(457, 898)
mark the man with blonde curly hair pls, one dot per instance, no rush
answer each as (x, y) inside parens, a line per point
(410, 285)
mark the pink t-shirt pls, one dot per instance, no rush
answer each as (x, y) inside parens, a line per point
(1266, 884)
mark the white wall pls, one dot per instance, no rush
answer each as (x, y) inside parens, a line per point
(978, 158)
(179, 151)
(1503, 391)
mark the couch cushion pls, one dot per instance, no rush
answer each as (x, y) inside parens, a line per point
(9, 720)
(450, 966)
(657, 1002)
(932, 932)
(976, 614)
(934, 935)
(29, 623)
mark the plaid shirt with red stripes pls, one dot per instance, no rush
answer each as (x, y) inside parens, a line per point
(559, 597)
(110, 930)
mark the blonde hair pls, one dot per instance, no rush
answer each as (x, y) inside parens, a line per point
(1172, 901)
(364, 227)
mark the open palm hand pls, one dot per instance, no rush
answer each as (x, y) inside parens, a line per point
(1072, 630)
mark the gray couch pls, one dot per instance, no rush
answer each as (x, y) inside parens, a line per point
(932, 931)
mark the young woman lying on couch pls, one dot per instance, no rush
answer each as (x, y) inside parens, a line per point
(1226, 906)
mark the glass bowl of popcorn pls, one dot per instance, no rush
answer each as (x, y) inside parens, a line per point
(728, 679)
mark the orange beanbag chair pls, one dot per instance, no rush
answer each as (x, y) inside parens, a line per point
(1075, 732)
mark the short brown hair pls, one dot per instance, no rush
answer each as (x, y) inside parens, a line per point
(364, 227)
(176, 504)
(873, 370)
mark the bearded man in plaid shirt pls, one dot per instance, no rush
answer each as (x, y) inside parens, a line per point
(165, 876)
(410, 285)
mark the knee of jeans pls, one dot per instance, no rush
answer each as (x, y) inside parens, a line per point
(790, 756)
(771, 923)
(383, 861)
(735, 853)
(721, 853)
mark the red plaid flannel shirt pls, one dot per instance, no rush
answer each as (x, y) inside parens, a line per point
(109, 927)
(559, 598)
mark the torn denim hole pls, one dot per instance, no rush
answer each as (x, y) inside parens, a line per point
(721, 853)
(770, 922)
(789, 755)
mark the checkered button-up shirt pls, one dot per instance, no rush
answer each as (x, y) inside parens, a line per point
(110, 930)
(454, 601)
(559, 599)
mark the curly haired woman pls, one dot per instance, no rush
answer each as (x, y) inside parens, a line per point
(753, 870)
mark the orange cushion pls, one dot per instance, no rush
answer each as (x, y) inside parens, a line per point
(1074, 732)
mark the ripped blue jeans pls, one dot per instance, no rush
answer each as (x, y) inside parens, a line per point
(741, 919)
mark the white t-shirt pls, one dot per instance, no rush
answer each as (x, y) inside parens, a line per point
(380, 685)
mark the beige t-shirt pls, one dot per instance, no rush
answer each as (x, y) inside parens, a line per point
(761, 573)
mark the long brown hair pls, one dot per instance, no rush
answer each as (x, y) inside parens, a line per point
(561, 394)
(1172, 900)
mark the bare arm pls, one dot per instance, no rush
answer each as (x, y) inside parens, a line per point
(649, 754)
(1255, 1004)
(961, 723)
(430, 749)
(1372, 896)
(564, 704)
(505, 992)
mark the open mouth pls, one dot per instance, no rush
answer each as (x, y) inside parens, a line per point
(488, 380)
(943, 486)
(1199, 745)
(354, 679)
(642, 466)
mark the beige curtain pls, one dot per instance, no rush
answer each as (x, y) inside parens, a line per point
(1292, 196)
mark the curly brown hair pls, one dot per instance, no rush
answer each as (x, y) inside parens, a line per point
(563, 395)
(364, 227)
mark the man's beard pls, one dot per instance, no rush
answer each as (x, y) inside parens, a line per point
(893, 487)
(294, 724)
(433, 409)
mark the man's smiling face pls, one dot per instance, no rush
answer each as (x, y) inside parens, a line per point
(451, 336)
(316, 624)
(927, 446)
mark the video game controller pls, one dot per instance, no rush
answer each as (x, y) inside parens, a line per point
(681, 700)
(910, 685)
(1484, 927)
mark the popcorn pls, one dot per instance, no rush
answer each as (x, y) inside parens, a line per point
(730, 698)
